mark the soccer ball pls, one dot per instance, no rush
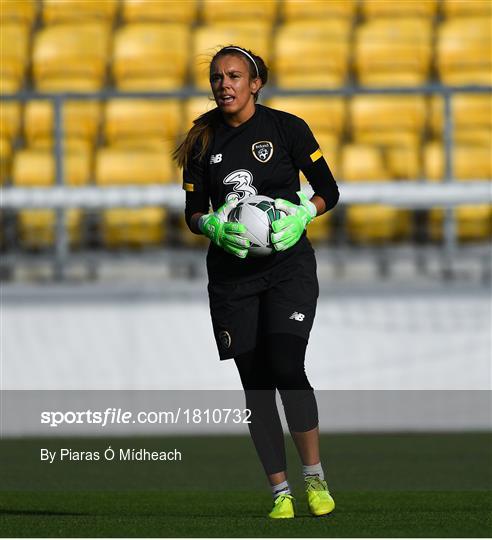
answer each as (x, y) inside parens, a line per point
(257, 213)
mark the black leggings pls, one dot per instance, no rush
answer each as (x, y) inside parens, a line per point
(276, 363)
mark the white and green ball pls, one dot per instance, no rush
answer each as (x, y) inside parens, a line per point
(257, 213)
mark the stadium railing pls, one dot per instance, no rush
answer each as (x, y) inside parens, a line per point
(408, 194)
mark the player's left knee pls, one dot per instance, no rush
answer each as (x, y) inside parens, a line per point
(286, 353)
(294, 379)
(301, 410)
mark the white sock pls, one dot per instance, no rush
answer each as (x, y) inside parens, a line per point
(281, 489)
(313, 470)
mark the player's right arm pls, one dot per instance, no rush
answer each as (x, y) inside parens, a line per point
(225, 234)
(213, 225)
(193, 222)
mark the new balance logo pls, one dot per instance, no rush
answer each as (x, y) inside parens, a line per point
(215, 158)
(297, 316)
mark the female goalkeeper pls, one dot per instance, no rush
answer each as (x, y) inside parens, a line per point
(262, 308)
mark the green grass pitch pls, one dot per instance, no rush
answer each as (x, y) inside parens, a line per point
(385, 485)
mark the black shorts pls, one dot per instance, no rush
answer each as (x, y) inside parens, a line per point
(282, 301)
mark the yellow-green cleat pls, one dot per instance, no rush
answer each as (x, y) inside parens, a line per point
(320, 501)
(283, 507)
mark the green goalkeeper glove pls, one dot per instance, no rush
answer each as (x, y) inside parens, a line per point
(288, 230)
(225, 234)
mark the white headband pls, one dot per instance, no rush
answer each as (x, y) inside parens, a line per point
(248, 55)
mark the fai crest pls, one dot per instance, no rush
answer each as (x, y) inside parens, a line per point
(225, 339)
(262, 150)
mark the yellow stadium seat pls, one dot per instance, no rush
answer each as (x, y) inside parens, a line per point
(383, 8)
(10, 119)
(175, 11)
(142, 122)
(469, 162)
(207, 40)
(379, 163)
(77, 11)
(81, 121)
(127, 166)
(150, 56)
(393, 52)
(296, 10)
(218, 10)
(466, 8)
(301, 54)
(388, 120)
(133, 227)
(472, 118)
(362, 162)
(70, 144)
(404, 162)
(474, 222)
(19, 12)
(71, 57)
(463, 51)
(371, 223)
(14, 51)
(36, 228)
(36, 168)
(5, 159)
(377, 224)
(388, 138)
(327, 114)
(401, 151)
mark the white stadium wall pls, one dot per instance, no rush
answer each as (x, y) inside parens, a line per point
(424, 347)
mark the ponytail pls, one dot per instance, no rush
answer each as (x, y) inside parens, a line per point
(199, 137)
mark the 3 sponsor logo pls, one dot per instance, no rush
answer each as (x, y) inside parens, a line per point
(242, 182)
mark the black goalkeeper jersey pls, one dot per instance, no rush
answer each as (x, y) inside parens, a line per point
(262, 156)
